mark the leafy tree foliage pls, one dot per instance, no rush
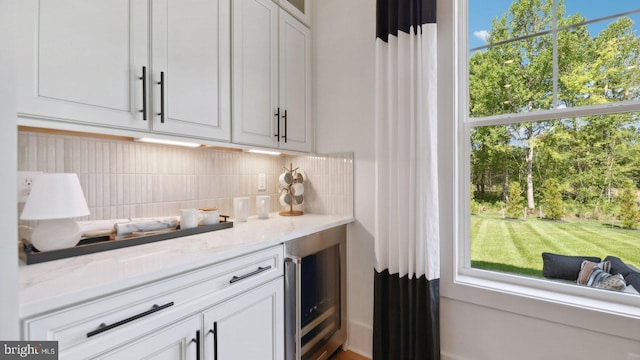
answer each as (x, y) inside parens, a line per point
(514, 203)
(552, 200)
(588, 156)
(628, 203)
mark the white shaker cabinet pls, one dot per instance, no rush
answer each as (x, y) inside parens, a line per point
(179, 341)
(159, 65)
(295, 85)
(301, 9)
(249, 326)
(191, 68)
(80, 60)
(271, 102)
(171, 318)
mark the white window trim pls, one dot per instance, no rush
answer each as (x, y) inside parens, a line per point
(602, 311)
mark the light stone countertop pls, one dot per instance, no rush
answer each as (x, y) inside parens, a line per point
(50, 285)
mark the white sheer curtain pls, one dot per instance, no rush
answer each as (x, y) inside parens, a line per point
(407, 238)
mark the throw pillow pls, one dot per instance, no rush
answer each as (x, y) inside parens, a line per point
(603, 280)
(587, 267)
(555, 266)
(633, 279)
(618, 266)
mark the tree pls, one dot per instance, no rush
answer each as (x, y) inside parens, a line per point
(475, 207)
(514, 203)
(628, 203)
(552, 200)
(587, 156)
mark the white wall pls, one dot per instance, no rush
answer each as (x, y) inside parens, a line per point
(344, 45)
(8, 221)
(344, 40)
(477, 328)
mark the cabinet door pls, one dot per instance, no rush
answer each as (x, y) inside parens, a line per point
(191, 51)
(249, 326)
(174, 342)
(81, 60)
(255, 72)
(301, 9)
(295, 84)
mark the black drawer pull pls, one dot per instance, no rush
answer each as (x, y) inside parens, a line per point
(144, 92)
(197, 341)
(242, 277)
(161, 83)
(104, 327)
(285, 126)
(277, 115)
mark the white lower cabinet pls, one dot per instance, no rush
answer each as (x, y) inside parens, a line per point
(246, 327)
(228, 310)
(250, 326)
(173, 342)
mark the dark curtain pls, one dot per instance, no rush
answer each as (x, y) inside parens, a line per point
(406, 317)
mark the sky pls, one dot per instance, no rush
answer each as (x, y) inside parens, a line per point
(481, 12)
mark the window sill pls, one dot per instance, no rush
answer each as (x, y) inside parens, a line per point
(597, 310)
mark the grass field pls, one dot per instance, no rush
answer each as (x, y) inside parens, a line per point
(516, 246)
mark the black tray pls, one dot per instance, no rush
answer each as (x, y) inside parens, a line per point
(31, 255)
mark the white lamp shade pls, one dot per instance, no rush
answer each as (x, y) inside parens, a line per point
(55, 196)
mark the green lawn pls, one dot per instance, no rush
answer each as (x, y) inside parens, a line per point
(516, 246)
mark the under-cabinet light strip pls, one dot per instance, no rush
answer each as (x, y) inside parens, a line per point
(266, 152)
(168, 142)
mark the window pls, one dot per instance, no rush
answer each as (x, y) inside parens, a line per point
(551, 135)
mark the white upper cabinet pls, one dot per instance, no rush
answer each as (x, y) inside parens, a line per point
(255, 72)
(80, 60)
(191, 67)
(127, 64)
(271, 102)
(295, 84)
(301, 9)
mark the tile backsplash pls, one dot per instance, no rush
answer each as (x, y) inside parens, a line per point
(124, 179)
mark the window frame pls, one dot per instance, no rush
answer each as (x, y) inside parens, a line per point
(616, 313)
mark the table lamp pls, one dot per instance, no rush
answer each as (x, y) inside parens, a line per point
(54, 199)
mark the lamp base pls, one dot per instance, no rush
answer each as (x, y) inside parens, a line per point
(55, 234)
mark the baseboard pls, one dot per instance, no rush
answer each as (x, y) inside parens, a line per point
(360, 339)
(447, 356)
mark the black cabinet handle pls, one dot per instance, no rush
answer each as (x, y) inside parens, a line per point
(104, 327)
(161, 83)
(197, 341)
(277, 115)
(144, 93)
(215, 340)
(285, 126)
(255, 272)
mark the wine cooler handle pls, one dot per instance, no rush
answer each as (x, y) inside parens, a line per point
(293, 268)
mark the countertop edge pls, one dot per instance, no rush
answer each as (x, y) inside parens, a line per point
(34, 306)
